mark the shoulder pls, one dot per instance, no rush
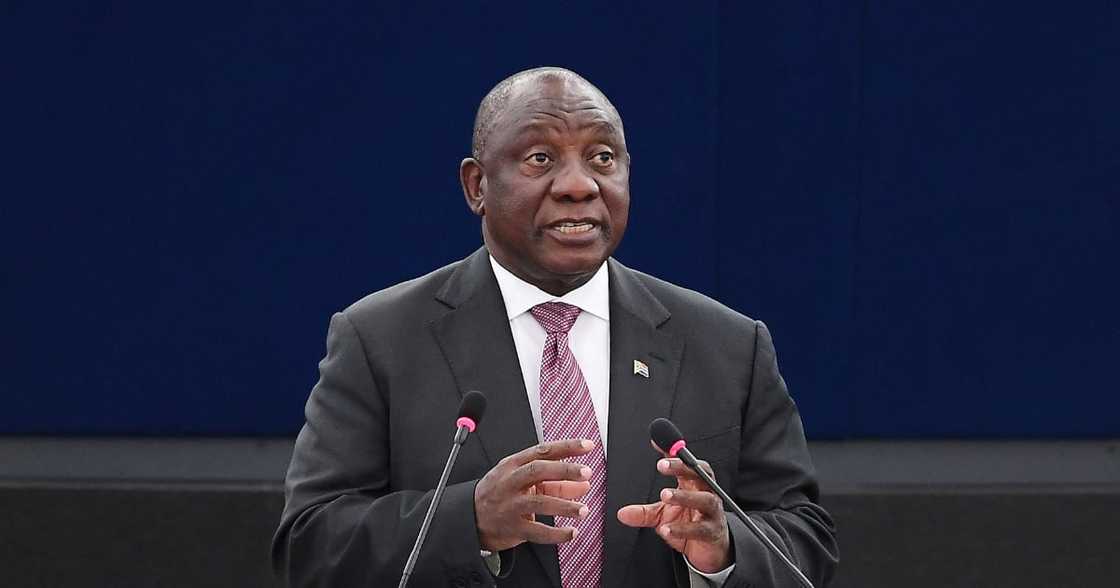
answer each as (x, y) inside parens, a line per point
(692, 311)
(408, 300)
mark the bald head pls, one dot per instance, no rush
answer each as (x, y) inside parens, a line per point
(496, 101)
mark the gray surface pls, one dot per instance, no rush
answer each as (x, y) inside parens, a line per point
(79, 533)
(144, 459)
(200, 512)
(844, 466)
(849, 466)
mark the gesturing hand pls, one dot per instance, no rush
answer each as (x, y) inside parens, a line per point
(689, 517)
(530, 482)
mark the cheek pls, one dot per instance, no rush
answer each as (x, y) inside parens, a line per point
(619, 221)
(512, 207)
(617, 196)
(623, 215)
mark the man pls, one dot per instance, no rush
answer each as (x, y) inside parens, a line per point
(576, 354)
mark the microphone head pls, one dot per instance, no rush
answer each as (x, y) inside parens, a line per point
(471, 409)
(666, 436)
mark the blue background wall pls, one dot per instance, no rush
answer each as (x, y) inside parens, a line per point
(919, 198)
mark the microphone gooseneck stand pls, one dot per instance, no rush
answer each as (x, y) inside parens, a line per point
(471, 409)
(460, 436)
(753, 526)
(669, 439)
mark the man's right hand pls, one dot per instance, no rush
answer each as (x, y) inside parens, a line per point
(532, 482)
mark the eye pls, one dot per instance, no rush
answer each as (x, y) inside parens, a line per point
(538, 159)
(603, 158)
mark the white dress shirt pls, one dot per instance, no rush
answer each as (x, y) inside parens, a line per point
(589, 338)
(590, 342)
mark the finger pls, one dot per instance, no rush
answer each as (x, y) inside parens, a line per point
(705, 502)
(553, 450)
(547, 505)
(673, 466)
(564, 489)
(541, 470)
(541, 533)
(704, 531)
(640, 515)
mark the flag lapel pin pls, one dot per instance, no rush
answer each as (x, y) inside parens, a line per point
(641, 369)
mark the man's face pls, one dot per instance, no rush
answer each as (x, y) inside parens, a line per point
(555, 185)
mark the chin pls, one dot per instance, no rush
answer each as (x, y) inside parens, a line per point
(575, 265)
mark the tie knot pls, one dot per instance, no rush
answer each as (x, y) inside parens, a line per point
(555, 317)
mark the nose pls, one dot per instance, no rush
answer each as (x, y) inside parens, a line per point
(574, 182)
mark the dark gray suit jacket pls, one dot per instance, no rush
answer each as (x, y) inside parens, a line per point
(380, 421)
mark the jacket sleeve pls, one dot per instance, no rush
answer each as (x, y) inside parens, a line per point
(777, 487)
(343, 525)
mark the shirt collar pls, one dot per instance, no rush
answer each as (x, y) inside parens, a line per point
(519, 295)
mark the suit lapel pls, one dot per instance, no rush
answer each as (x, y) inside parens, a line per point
(476, 341)
(635, 400)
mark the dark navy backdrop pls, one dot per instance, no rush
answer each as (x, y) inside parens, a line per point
(919, 198)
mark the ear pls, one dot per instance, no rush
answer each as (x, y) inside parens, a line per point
(471, 177)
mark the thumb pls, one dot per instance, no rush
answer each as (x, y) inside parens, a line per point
(640, 515)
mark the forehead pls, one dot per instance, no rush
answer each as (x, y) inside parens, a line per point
(558, 105)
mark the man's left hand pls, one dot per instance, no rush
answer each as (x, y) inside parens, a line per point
(689, 517)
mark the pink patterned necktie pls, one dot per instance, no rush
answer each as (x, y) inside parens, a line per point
(567, 413)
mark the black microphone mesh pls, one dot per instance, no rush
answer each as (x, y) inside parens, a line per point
(664, 433)
(473, 406)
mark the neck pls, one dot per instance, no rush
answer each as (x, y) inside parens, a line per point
(556, 285)
(560, 287)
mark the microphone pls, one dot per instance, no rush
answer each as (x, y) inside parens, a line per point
(471, 409)
(668, 438)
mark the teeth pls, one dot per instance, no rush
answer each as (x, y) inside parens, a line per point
(569, 228)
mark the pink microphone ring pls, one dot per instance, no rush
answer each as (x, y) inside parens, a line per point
(467, 422)
(679, 445)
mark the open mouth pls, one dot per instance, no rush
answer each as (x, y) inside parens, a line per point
(574, 227)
